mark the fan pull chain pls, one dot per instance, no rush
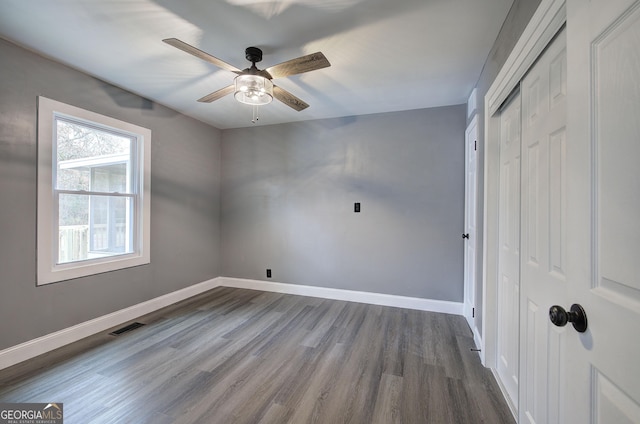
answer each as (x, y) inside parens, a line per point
(255, 114)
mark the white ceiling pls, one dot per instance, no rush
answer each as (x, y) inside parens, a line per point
(386, 55)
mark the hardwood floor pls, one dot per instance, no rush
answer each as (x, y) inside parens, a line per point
(245, 356)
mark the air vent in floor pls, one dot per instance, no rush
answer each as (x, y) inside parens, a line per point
(126, 329)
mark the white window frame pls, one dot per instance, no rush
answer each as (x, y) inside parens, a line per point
(48, 270)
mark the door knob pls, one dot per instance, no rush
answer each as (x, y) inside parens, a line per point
(576, 315)
(465, 236)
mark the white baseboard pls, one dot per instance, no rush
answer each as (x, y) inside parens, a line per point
(347, 295)
(49, 342)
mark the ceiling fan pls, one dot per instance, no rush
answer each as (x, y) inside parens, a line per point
(252, 85)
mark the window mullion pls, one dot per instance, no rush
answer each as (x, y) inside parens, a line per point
(96, 193)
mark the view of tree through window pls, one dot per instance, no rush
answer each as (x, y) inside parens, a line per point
(93, 172)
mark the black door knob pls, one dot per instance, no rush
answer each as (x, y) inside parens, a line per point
(576, 315)
(465, 236)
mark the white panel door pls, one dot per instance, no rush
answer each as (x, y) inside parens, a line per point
(470, 219)
(509, 257)
(543, 234)
(603, 206)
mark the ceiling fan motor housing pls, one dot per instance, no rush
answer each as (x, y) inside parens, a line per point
(253, 54)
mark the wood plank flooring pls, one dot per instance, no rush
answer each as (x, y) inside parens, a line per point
(245, 356)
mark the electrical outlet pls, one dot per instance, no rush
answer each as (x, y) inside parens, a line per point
(268, 273)
(356, 207)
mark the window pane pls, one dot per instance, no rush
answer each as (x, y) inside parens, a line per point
(109, 178)
(92, 159)
(93, 227)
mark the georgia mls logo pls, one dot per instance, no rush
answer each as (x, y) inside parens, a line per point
(31, 413)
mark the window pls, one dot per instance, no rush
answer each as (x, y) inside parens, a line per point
(93, 193)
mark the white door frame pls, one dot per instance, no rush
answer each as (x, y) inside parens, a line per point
(470, 212)
(543, 26)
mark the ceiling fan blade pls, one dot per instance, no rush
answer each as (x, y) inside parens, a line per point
(289, 99)
(217, 94)
(200, 54)
(307, 63)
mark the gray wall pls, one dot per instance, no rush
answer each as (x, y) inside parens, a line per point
(287, 205)
(185, 201)
(289, 193)
(515, 23)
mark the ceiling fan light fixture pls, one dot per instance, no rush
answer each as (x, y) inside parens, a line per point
(253, 89)
(253, 86)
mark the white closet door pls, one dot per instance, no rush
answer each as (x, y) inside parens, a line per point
(603, 198)
(509, 258)
(543, 230)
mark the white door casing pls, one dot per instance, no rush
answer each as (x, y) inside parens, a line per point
(603, 202)
(543, 235)
(509, 256)
(470, 218)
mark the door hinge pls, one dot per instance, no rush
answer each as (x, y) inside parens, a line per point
(473, 312)
(475, 145)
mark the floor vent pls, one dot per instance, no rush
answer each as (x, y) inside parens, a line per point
(126, 329)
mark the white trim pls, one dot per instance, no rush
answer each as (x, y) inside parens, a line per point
(472, 103)
(477, 338)
(467, 313)
(543, 26)
(49, 342)
(420, 304)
